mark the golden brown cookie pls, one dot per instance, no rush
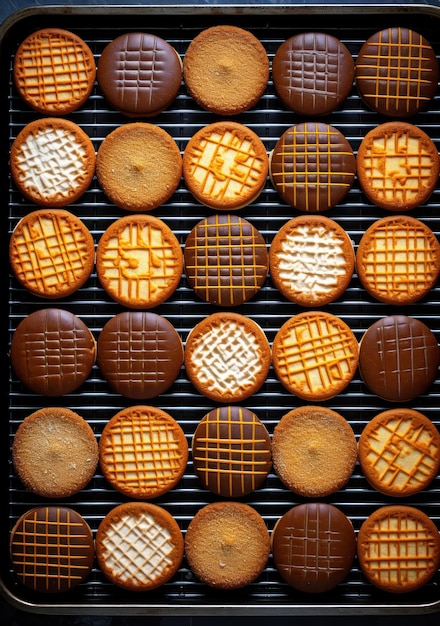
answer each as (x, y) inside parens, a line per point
(139, 546)
(52, 161)
(226, 69)
(138, 166)
(227, 545)
(314, 451)
(139, 261)
(55, 452)
(52, 252)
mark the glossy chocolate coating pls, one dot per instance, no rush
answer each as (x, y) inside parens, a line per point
(52, 549)
(226, 260)
(139, 74)
(312, 73)
(398, 358)
(140, 354)
(313, 547)
(52, 352)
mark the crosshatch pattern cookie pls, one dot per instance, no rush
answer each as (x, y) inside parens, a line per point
(398, 259)
(312, 166)
(226, 260)
(54, 71)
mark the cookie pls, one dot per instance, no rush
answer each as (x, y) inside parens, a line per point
(54, 71)
(52, 161)
(52, 253)
(311, 260)
(139, 261)
(315, 355)
(225, 165)
(226, 260)
(227, 545)
(143, 452)
(312, 167)
(227, 357)
(314, 451)
(231, 451)
(226, 69)
(138, 166)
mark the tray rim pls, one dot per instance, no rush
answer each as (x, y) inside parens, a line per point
(195, 609)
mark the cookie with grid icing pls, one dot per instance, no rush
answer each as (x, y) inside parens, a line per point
(312, 167)
(52, 352)
(314, 451)
(315, 355)
(227, 545)
(139, 354)
(398, 358)
(397, 72)
(231, 451)
(139, 261)
(399, 452)
(312, 73)
(313, 547)
(51, 252)
(398, 548)
(139, 546)
(55, 452)
(52, 549)
(398, 259)
(311, 260)
(143, 452)
(397, 166)
(226, 69)
(139, 74)
(54, 71)
(225, 165)
(52, 161)
(138, 166)
(227, 357)
(225, 259)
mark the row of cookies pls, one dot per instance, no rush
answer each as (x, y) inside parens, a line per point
(226, 70)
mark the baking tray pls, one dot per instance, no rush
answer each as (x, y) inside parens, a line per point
(185, 595)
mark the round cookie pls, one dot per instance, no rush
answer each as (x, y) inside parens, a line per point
(398, 358)
(231, 451)
(138, 166)
(312, 167)
(143, 452)
(227, 545)
(139, 261)
(225, 165)
(315, 355)
(398, 259)
(226, 260)
(399, 452)
(52, 161)
(52, 352)
(139, 74)
(226, 69)
(52, 549)
(398, 548)
(139, 546)
(397, 72)
(54, 71)
(313, 547)
(311, 260)
(51, 252)
(312, 73)
(227, 357)
(55, 452)
(314, 451)
(139, 354)
(397, 166)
